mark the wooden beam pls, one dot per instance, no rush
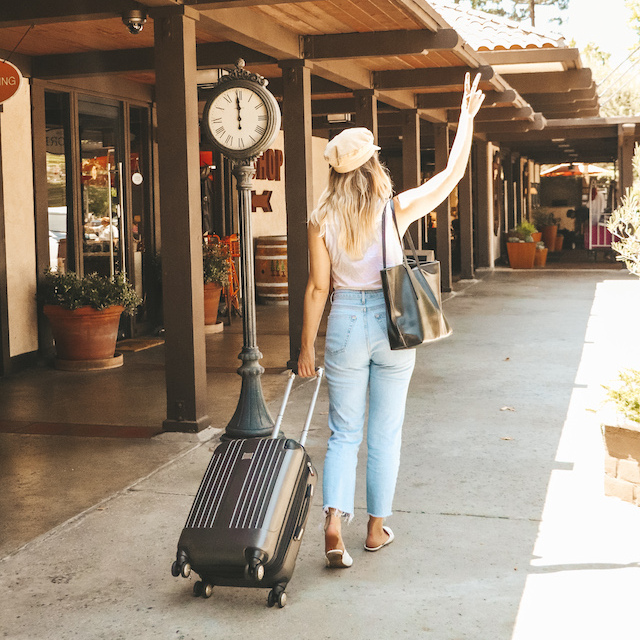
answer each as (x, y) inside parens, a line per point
(251, 30)
(378, 43)
(551, 132)
(98, 63)
(561, 98)
(550, 82)
(492, 114)
(527, 56)
(453, 99)
(15, 14)
(432, 77)
(319, 86)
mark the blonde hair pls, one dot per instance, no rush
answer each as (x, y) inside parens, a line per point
(352, 202)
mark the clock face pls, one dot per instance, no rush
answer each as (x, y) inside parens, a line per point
(238, 119)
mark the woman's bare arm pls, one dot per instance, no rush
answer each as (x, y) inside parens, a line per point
(315, 298)
(413, 204)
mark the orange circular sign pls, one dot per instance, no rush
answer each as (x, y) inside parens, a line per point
(10, 78)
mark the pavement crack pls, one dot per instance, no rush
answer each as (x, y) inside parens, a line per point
(456, 514)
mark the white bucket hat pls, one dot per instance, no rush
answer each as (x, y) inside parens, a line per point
(350, 149)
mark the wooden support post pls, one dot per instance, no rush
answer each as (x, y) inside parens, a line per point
(296, 122)
(443, 212)
(484, 175)
(465, 220)
(510, 186)
(517, 179)
(367, 110)
(181, 221)
(626, 140)
(5, 362)
(411, 158)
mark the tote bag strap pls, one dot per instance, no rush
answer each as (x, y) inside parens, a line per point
(401, 240)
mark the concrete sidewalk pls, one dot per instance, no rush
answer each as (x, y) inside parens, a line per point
(502, 530)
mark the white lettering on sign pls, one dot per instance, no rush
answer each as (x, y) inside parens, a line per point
(10, 78)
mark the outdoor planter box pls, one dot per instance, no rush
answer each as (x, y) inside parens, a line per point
(622, 462)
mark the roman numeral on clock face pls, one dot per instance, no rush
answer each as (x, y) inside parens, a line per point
(260, 130)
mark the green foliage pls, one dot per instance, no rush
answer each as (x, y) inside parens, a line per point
(525, 229)
(69, 291)
(215, 264)
(543, 218)
(624, 223)
(519, 10)
(626, 396)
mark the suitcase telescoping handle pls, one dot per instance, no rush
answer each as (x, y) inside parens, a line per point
(312, 406)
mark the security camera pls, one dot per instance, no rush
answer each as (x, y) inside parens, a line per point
(134, 20)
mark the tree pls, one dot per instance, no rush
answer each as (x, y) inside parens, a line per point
(520, 9)
(624, 222)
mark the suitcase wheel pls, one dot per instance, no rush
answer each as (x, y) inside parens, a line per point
(185, 570)
(277, 596)
(254, 570)
(203, 589)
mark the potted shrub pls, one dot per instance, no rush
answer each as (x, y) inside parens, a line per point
(622, 440)
(216, 269)
(548, 225)
(84, 314)
(521, 247)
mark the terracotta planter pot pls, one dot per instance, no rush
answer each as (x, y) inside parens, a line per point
(559, 242)
(84, 334)
(521, 254)
(549, 236)
(537, 237)
(212, 293)
(540, 259)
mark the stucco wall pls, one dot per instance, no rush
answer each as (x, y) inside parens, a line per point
(274, 223)
(17, 177)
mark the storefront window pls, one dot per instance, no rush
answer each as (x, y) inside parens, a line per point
(57, 146)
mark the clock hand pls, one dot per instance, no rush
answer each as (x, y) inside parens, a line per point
(238, 105)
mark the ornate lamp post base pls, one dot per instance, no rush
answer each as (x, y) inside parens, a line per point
(252, 418)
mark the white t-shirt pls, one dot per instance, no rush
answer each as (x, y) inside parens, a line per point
(364, 273)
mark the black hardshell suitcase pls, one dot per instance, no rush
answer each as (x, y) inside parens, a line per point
(246, 523)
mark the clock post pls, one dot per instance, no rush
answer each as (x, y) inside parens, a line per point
(242, 119)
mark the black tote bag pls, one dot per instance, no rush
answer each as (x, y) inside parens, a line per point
(412, 297)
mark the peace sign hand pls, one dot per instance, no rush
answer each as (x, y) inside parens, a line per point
(473, 97)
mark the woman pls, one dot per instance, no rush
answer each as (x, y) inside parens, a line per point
(345, 246)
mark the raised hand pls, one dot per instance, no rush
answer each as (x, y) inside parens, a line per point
(473, 97)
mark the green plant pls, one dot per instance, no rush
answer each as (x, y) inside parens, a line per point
(624, 223)
(215, 264)
(543, 218)
(524, 230)
(626, 396)
(70, 291)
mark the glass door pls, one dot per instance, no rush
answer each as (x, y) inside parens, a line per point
(101, 188)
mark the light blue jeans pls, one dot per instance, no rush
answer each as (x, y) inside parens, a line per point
(360, 365)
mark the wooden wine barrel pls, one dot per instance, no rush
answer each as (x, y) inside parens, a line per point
(272, 279)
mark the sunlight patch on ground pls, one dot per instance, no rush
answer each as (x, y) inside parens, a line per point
(586, 560)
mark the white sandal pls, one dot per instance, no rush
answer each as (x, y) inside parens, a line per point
(338, 559)
(389, 540)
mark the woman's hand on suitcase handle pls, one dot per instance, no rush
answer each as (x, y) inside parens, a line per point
(307, 363)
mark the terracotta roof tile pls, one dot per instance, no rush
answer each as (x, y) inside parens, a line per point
(487, 32)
